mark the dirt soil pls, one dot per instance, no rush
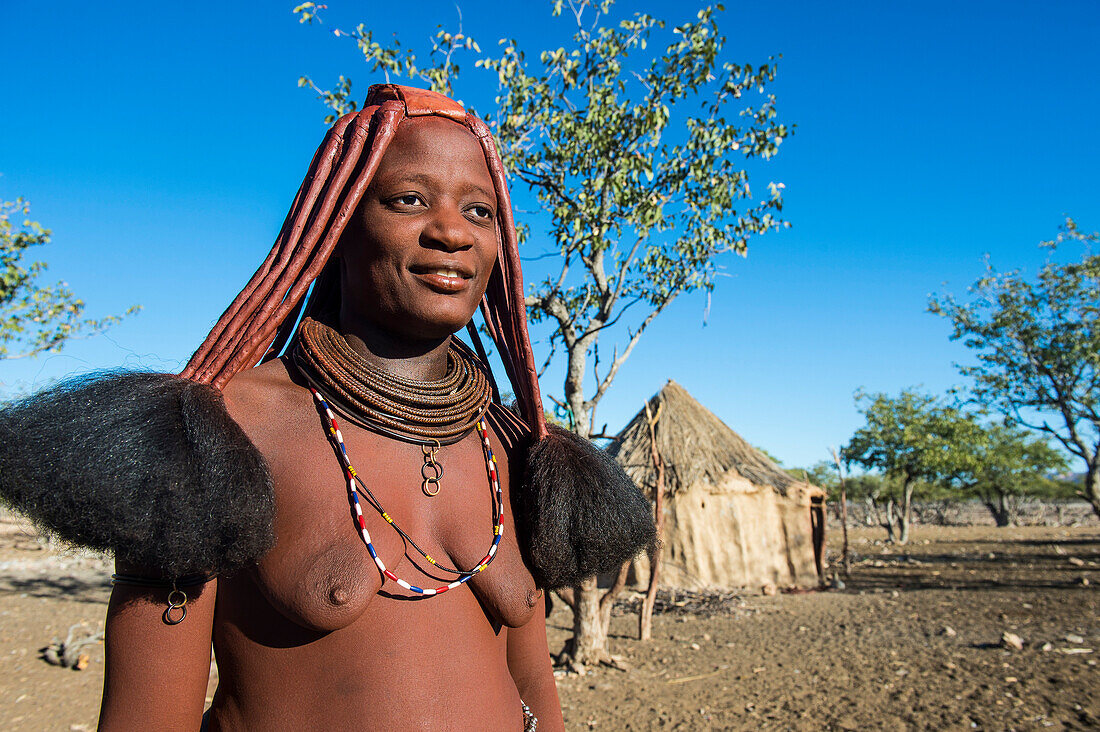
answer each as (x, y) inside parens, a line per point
(913, 641)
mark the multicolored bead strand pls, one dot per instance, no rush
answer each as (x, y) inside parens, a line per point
(352, 476)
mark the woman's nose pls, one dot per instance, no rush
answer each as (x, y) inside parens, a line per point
(448, 230)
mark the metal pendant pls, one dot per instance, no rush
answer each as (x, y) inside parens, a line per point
(431, 471)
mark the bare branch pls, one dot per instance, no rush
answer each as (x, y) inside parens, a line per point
(596, 361)
(1046, 428)
(612, 322)
(625, 268)
(601, 389)
(613, 592)
(550, 356)
(561, 276)
(557, 401)
(534, 178)
(566, 595)
(594, 262)
(553, 306)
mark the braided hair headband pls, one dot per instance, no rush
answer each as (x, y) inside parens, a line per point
(262, 317)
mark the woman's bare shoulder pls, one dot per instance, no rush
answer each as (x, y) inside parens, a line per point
(265, 400)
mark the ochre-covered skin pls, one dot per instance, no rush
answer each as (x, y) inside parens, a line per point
(311, 621)
(310, 638)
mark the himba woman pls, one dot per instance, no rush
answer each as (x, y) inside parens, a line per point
(356, 524)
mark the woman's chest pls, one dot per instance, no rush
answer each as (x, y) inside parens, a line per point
(323, 575)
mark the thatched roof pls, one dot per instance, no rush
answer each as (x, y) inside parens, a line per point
(694, 444)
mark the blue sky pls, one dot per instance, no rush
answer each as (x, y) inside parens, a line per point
(162, 144)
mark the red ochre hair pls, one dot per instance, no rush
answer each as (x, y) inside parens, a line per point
(260, 321)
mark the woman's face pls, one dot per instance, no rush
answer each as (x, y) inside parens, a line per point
(416, 258)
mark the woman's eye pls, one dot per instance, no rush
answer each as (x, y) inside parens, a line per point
(408, 199)
(482, 212)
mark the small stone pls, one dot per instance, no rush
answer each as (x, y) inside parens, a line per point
(1077, 561)
(81, 662)
(1047, 647)
(1074, 638)
(948, 631)
(1011, 679)
(1084, 581)
(694, 646)
(769, 590)
(1012, 641)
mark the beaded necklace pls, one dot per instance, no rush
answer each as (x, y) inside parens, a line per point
(352, 477)
(426, 413)
(438, 412)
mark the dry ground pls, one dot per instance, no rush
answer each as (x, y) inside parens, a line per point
(876, 655)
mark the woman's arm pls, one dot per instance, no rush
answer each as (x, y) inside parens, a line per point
(529, 664)
(156, 674)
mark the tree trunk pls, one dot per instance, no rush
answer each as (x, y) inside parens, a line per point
(888, 524)
(997, 511)
(589, 643)
(905, 516)
(591, 620)
(588, 646)
(872, 518)
(607, 602)
(847, 556)
(1092, 486)
(574, 388)
(1010, 509)
(997, 506)
(645, 615)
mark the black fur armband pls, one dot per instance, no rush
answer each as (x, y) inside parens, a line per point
(148, 466)
(580, 514)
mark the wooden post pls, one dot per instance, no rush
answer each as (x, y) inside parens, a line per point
(847, 562)
(645, 617)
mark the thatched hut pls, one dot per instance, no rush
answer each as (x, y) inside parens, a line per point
(732, 517)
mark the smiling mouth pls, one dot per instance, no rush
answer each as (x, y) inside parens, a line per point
(443, 279)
